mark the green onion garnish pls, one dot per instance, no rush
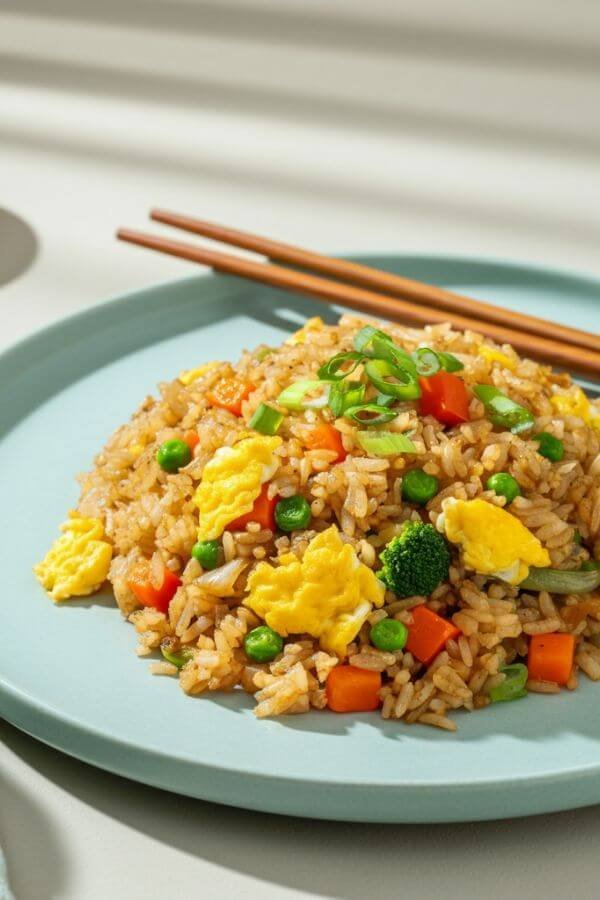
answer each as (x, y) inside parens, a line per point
(293, 395)
(384, 443)
(386, 349)
(370, 414)
(513, 686)
(503, 411)
(336, 369)
(343, 394)
(363, 339)
(430, 361)
(177, 658)
(384, 400)
(266, 420)
(449, 362)
(392, 380)
(562, 581)
(427, 360)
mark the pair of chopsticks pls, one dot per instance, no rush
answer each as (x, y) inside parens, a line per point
(378, 293)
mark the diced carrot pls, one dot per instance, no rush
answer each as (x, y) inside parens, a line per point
(550, 657)
(191, 438)
(140, 583)
(350, 689)
(228, 393)
(325, 437)
(444, 396)
(262, 512)
(428, 634)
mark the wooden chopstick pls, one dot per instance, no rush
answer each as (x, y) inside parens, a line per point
(576, 359)
(382, 282)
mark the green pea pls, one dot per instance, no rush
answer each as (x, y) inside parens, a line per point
(262, 644)
(207, 553)
(292, 513)
(549, 446)
(419, 487)
(504, 485)
(173, 455)
(389, 635)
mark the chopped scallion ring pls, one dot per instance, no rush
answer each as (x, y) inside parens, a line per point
(266, 420)
(340, 366)
(427, 360)
(392, 380)
(384, 443)
(293, 395)
(370, 414)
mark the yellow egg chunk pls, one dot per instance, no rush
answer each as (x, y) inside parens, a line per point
(493, 541)
(78, 561)
(231, 482)
(328, 594)
(493, 355)
(299, 337)
(573, 404)
(191, 375)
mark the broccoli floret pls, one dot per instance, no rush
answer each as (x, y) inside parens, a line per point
(415, 561)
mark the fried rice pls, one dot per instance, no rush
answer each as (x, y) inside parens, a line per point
(149, 514)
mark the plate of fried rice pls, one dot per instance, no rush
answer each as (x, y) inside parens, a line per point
(305, 562)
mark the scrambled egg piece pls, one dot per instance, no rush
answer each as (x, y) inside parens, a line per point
(190, 375)
(576, 403)
(493, 355)
(78, 561)
(493, 541)
(328, 594)
(299, 337)
(231, 482)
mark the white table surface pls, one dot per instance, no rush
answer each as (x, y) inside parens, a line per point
(417, 130)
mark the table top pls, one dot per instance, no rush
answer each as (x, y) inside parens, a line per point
(302, 138)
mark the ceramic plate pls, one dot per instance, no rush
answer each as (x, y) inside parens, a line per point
(69, 674)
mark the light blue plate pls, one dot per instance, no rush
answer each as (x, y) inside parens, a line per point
(68, 673)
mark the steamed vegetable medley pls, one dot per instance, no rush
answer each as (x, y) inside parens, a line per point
(360, 519)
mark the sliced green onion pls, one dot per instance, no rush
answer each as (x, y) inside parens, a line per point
(503, 411)
(427, 360)
(430, 361)
(333, 369)
(385, 400)
(370, 414)
(386, 349)
(343, 394)
(266, 420)
(562, 581)
(513, 686)
(293, 395)
(449, 362)
(590, 565)
(377, 344)
(177, 658)
(392, 380)
(363, 339)
(384, 443)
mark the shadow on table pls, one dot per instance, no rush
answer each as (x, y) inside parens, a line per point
(23, 824)
(328, 859)
(18, 246)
